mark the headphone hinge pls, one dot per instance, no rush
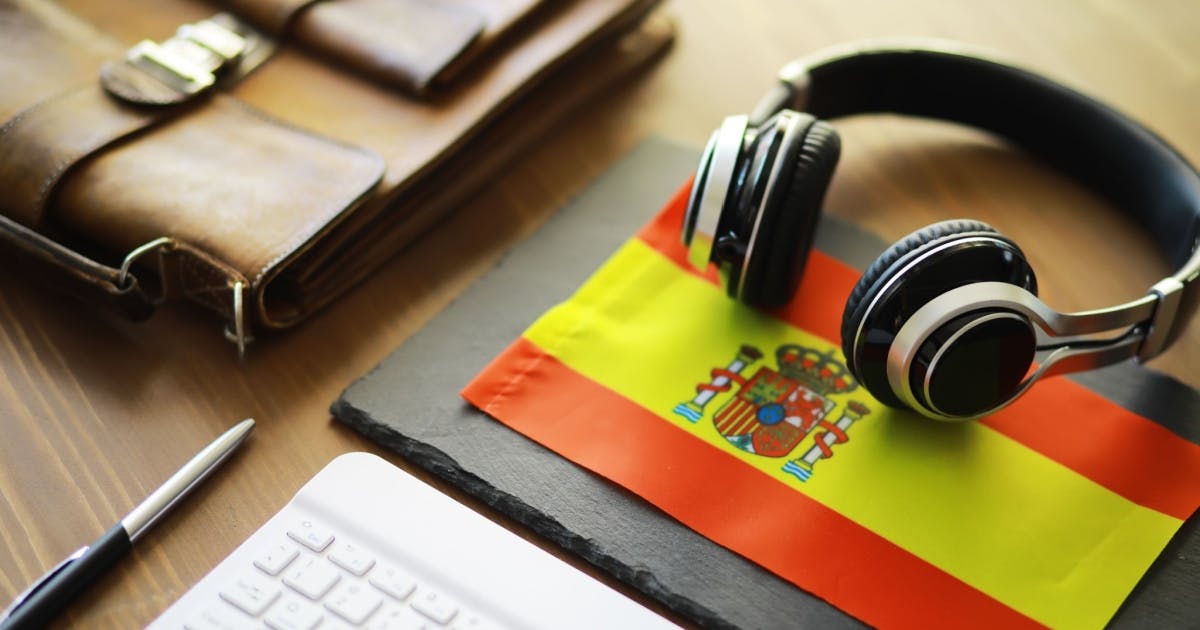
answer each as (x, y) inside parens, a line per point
(783, 95)
(1162, 324)
(792, 91)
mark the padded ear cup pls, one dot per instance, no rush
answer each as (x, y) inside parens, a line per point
(762, 151)
(885, 264)
(883, 298)
(776, 256)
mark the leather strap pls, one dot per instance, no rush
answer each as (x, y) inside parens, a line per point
(410, 44)
(273, 15)
(39, 145)
(403, 43)
(61, 266)
(184, 272)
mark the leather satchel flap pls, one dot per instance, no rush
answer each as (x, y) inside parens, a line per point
(404, 43)
(411, 44)
(226, 178)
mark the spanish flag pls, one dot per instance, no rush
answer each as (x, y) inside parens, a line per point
(746, 427)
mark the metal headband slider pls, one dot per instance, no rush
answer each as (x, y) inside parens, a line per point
(176, 70)
(1162, 332)
(790, 92)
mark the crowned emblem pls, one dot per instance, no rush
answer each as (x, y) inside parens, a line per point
(775, 410)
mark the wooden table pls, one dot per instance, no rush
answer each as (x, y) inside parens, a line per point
(96, 412)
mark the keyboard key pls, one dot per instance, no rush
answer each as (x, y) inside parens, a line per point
(395, 582)
(473, 621)
(311, 535)
(276, 559)
(303, 572)
(354, 602)
(312, 577)
(293, 613)
(400, 617)
(223, 618)
(352, 558)
(252, 593)
(434, 605)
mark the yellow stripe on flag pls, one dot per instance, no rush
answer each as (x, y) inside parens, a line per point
(982, 507)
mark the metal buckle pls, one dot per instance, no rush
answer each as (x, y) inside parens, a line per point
(237, 334)
(235, 330)
(190, 60)
(1169, 294)
(179, 68)
(158, 244)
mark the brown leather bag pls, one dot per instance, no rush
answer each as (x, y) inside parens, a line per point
(262, 161)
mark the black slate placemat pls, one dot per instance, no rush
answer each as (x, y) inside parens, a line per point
(410, 404)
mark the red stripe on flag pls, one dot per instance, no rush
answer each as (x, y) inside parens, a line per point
(1058, 418)
(1078, 428)
(785, 531)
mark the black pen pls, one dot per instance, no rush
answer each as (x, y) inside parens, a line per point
(49, 595)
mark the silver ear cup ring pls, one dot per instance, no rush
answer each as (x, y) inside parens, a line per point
(1009, 299)
(777, 179)
(1067, 342)
(974, 365)
(711, 189)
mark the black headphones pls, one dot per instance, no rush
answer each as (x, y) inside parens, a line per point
(947, 321)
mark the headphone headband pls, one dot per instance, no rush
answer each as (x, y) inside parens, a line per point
(1081, 137)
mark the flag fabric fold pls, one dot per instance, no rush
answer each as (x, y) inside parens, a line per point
(746, 427)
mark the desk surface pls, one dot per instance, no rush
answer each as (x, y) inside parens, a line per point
(96, 412)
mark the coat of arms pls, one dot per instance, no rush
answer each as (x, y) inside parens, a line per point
(774, 410)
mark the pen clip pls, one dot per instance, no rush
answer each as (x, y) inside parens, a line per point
(45, 579)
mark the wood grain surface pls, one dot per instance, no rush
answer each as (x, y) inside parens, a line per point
(96, 412)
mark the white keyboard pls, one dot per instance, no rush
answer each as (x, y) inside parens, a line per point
(364, 544)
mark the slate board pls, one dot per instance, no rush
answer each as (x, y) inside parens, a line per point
(410, 404)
